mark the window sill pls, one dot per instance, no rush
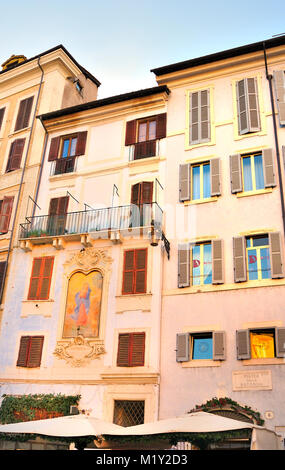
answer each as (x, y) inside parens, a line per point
(201, 363)
(201, 201)
(24, 129)
(264, 361)
(254, 193)
(36, 307)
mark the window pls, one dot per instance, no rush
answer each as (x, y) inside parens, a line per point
(134, 274)
(258, 257)
(142, 134)
(200, 346)
(57, 215)
(201, 262)
(2, 272)
(2, 111)
(129, 412)
(131, 349)
(199, 181)
(24, 113)
(6, 206)
(30, 351)
(199, 118)
(247, 106)
(252, 169)
(15, 155)
(261, 343)
(41, 278)
(279, 82)
(67, 147)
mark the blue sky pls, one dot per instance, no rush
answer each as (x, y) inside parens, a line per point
(119, 41)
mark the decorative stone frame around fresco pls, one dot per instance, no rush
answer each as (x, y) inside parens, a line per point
(80, 351)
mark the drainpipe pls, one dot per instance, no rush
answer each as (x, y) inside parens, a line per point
(41, 167)
(269, 78)
(20, 187)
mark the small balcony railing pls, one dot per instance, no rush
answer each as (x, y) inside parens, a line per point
(63, 165)
(94, 220)
(146, 149)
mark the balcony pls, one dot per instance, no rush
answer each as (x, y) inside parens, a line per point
(145, 149)
(110, 223)
(63, 165)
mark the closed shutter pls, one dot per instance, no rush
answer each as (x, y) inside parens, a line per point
(184, 182)
(279, 82)
(247, 104)
(54, 149)
(140, 271)
(137, 352)
(182, 347)
(183, 265)
(41, 278)
(128, 274)
(23, 351)
(2, 272)
(131, 130)
(276, 258)
(24, 113)
(2, 111)
(35, 351)
(123, 350)
(215, 172)
(81, 143)
(200, 128)
(236, 173)
(5, 215)
(268, 168)
(219, 346)
(161, 126)
(239, 259)
(217, 262)
(57, 215)
(15, 155)
(146, 192)
(283, 153)
(243, 344)
(280, 342)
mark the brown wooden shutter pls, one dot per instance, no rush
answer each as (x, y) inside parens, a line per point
(279, 82)
(217, 262)
(280, 342)
(243, 344)
(183, 265)
(135, 195)
(140, 271)
(276, 255)
(161, 126)
(54, 149)
(182, 347)
(215, 172)
(81, 143)
(239, 258)
(41, 278)
(23, 351)
(35, 279)
(236, 173)
(131, 131)
(24, 113)
(268, 168)
(219, 345)
(137, 352)
(184, 182)
(5, 215)
(146, 192)
(123, 350)
(2, 272)
(2, 111)
(128, 273)
(15, 155)
(35, 351)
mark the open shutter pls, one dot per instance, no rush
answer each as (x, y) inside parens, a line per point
(182, 347)
(252, 96)
(236, 173)
(243, 118)
(23, 351)
(81, 143)
(35, 352)
(279, 82)
(137, 352)
(217, 262)
(2, 271)
(6, 211)
(243, 344)
(2, 111)
(123, 350)
(277, 270)
(283, 153)
(54, 149)
(140, 271)
(247, 104)
(15, 155)
(24, 113)
(131, 130)
(146, 192)
(183, 265)
(161, 126)
(215, 172)
(239, 259)
(280, 342)
(184, 182)
(219, 346)
(268, 168)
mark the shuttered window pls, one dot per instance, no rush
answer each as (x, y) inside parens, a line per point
(24, 113)
(30, 351)
(252, 172)
(247, 106)
(67, 146)
(201, 346)
(200, 121)
(15, 155)
(2, 111)
(135, 269)
(41, 278)
(6, 206)
(131, 350)
(199, 181)
(260, 343)
(57, 215)
(2, 272)
(279, 82)
(143, 133)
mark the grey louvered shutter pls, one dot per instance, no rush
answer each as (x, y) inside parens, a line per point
(239, 258)
(242, 107)
(205, 132)
(184, 182)
(219, 346)
(276, 261)
(236, 173)
(217, 262)
(215, 172)
(200, 122)
(182, 347)
(279, 82)
(243, 344)
(247, 105)
(268, 168)
(283, 153)
(183, 265)
(280, 342)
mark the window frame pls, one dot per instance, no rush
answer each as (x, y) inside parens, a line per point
(130, 348)
(63, 138)
(197, 336)
(201, 165)
(134, 271)
(201, 276)
(258, 255)
(254, 190)
(27, 363)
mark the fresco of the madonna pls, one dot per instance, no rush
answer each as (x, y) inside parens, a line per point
(83, 305)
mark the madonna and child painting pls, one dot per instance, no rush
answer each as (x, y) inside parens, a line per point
(83, 305)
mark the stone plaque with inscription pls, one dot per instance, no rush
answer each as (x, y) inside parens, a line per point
(252, 380)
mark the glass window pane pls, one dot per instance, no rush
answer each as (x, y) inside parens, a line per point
(206, 181)
(247, 176)
(65, 147)
(259, 177)
(196, 182)
(73, 146)
(202, 348)
(142, 132)
(207, 263)
(152, 130)
(260, 241)
(252, 264)
(265, 263)
(262, 345)
(196, 265)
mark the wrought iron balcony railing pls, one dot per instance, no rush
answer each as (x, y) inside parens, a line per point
(146, 149)
(63, 165)
(94, 220)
